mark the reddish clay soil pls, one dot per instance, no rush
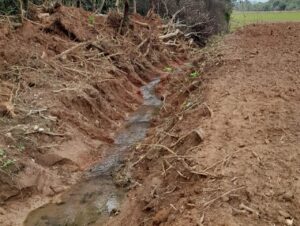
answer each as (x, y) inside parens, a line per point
(67, 83)
(226, 148)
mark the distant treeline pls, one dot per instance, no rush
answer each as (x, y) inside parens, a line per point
(271, 5)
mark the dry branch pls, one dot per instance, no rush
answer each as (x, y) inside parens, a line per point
(142, 43)
(59, 56)
(161, 146)
(221, 196)
(177, 33)
(141, 23)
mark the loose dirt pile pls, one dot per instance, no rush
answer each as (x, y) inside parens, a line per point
(225, 149)
(68, 81)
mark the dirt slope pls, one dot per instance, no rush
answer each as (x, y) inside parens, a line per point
(67, 83)
(225, 150)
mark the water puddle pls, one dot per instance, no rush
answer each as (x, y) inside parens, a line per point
(97, 197)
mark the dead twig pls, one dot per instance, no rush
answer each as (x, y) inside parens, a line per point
(142, 43)
(161, 146)
(32, 112)
(221, 196)
(141, 23)
(199, 132)
(47, 133)
(226, 159)
(244, 207)
(59, 56)
(192, 171)
(171, 35)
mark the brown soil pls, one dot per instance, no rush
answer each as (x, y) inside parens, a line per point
(225, 150)
(60, 112)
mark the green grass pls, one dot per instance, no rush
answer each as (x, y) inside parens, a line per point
(240, 19)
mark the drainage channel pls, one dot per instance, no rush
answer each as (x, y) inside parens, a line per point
(95, 198)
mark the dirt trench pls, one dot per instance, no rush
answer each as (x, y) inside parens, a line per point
(225, 149)
(68, 83)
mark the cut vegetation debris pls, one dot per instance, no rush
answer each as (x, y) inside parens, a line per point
(67, 85)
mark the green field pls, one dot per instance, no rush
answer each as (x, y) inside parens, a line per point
(240, 19)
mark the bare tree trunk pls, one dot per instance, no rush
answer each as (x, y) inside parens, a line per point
(134, 6)
(118, 5)
(99, 10)
(125, 16)
(94, 5)
(21, 10)
(153, 4)
(78, 3)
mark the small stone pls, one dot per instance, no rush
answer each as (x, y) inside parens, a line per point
(288, 196)
(58, 189)
(113, 206)
(225, 198)
(41, 129)
(197, 190)
(280, 219)
(36, 127)
(161, 216)
(2, 211)
(289, 222)
(97, 123)
(284, 213)
(242, 145)
(58, 200)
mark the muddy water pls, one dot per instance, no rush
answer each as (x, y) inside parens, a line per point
(97, 196)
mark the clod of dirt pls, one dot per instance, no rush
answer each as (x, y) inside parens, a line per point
(288, 196)
(161, 216)
(57, 200)
(6, 109)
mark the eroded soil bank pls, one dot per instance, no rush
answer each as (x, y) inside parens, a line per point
(69, 81)
(99, 194)
(225, 150)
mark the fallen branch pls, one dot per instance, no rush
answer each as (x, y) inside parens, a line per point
(161, 146)
(59, 56)
(192, 171)
(142, 43)
(171, 35)
(244, 207)
(47, 133)
(141, 23)
(32, 112)
(175, 15)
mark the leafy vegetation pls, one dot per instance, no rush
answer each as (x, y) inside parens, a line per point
(240, 19)
(168, 69)
(271, 5)
(194, 74)
(5, 162)
(91, 20)
(8, 7)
